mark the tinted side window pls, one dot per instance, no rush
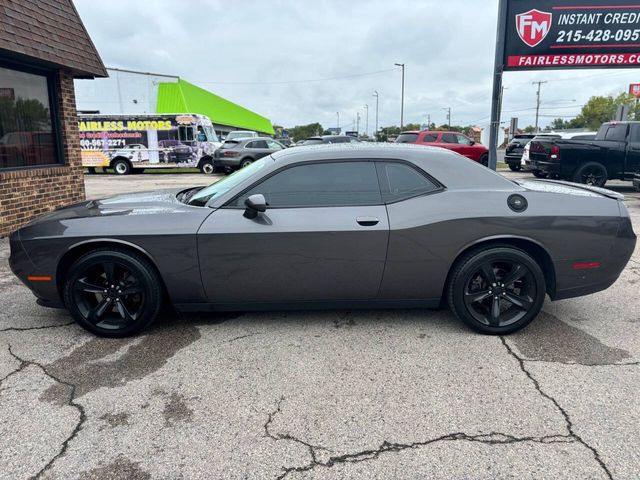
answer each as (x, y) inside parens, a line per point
(617, 132)
(449, 138)
(407, 138)
(430, 137)
(463, 140)
(320, 185)
(634, 135)
(399, 181)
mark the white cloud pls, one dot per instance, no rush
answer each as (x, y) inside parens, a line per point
(448, 49)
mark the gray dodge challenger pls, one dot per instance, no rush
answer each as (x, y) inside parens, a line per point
(375, 226)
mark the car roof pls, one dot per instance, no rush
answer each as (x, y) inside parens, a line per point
(450, 168)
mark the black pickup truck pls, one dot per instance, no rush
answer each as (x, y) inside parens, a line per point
(614, 154)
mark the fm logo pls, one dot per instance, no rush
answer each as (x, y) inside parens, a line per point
(533, 26)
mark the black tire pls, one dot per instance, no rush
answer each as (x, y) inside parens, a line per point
(539, 174)
(91, 170)
(591, 173)
(206, 167)
(112, 292)
(515, 167)
(476, 286)
(245, 162)
(484, 159)
(121, 166)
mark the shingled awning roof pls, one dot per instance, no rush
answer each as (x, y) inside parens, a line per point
(51, 33)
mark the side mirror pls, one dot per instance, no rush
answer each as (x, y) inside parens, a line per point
(255, 204)
(472, 142)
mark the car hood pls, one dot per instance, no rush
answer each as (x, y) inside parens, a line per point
(559, 186)
(142, 203)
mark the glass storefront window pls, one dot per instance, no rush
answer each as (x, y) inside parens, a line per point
(27, 137)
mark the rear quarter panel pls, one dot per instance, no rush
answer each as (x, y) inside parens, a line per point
(429, 233)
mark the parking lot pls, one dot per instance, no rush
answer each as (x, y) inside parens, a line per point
(335, 394)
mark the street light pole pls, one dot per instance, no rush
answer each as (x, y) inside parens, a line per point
(338, 114)
(366, 128)
(358, 123)
(402, 97)
(375, 134)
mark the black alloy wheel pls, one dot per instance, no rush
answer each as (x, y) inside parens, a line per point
(484, 159)
(498, 290)
(591, 173)
(113, 293)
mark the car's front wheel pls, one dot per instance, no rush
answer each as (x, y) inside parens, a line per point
(497, 290)
(515, 167)
(539, 174)
(484, 159)
(112, 292)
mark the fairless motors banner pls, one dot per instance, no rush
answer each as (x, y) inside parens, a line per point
(544, 34)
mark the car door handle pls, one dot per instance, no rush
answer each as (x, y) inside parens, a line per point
(367, 221)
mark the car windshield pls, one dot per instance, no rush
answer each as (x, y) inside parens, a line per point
(407, 138)
(214, 190)
(312, 141)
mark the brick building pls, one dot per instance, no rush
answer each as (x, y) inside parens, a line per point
(43, 47)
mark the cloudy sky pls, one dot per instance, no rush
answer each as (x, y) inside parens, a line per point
(302, 61)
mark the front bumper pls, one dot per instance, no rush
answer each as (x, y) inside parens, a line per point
(21, 265)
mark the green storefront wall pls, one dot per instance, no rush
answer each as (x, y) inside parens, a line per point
(184, 97)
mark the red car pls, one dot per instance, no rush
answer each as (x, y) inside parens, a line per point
(451, 140)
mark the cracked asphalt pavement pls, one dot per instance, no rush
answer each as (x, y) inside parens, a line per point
(336, 394)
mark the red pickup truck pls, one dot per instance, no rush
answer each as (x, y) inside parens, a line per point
(450, 140)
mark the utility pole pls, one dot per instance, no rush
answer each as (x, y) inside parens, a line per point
(402, 97)
(428, 121)
(448, 110)
(338, 114)
(375, 94)
(537, 102)
(366, 128)
(357, 123)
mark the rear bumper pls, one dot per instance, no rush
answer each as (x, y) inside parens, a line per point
(542, 166)
(575, 283)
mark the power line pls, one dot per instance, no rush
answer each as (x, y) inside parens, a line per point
(288, 82)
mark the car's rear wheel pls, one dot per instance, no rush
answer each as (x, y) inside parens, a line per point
(515, 167)
(246, 162)
(113, 293)
(497, 290)
(591, 173)
(121, 166)
(539, 174)
(206, 167)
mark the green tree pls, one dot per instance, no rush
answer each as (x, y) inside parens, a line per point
(300, 132)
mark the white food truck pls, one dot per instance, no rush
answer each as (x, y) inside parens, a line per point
(132, 143)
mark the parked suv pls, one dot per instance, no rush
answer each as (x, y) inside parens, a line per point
(236, 154)
(455, 141)
(238, 134)
(515, 149)
(323, 139)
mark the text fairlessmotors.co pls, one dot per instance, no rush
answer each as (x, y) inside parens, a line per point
(572, 34)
